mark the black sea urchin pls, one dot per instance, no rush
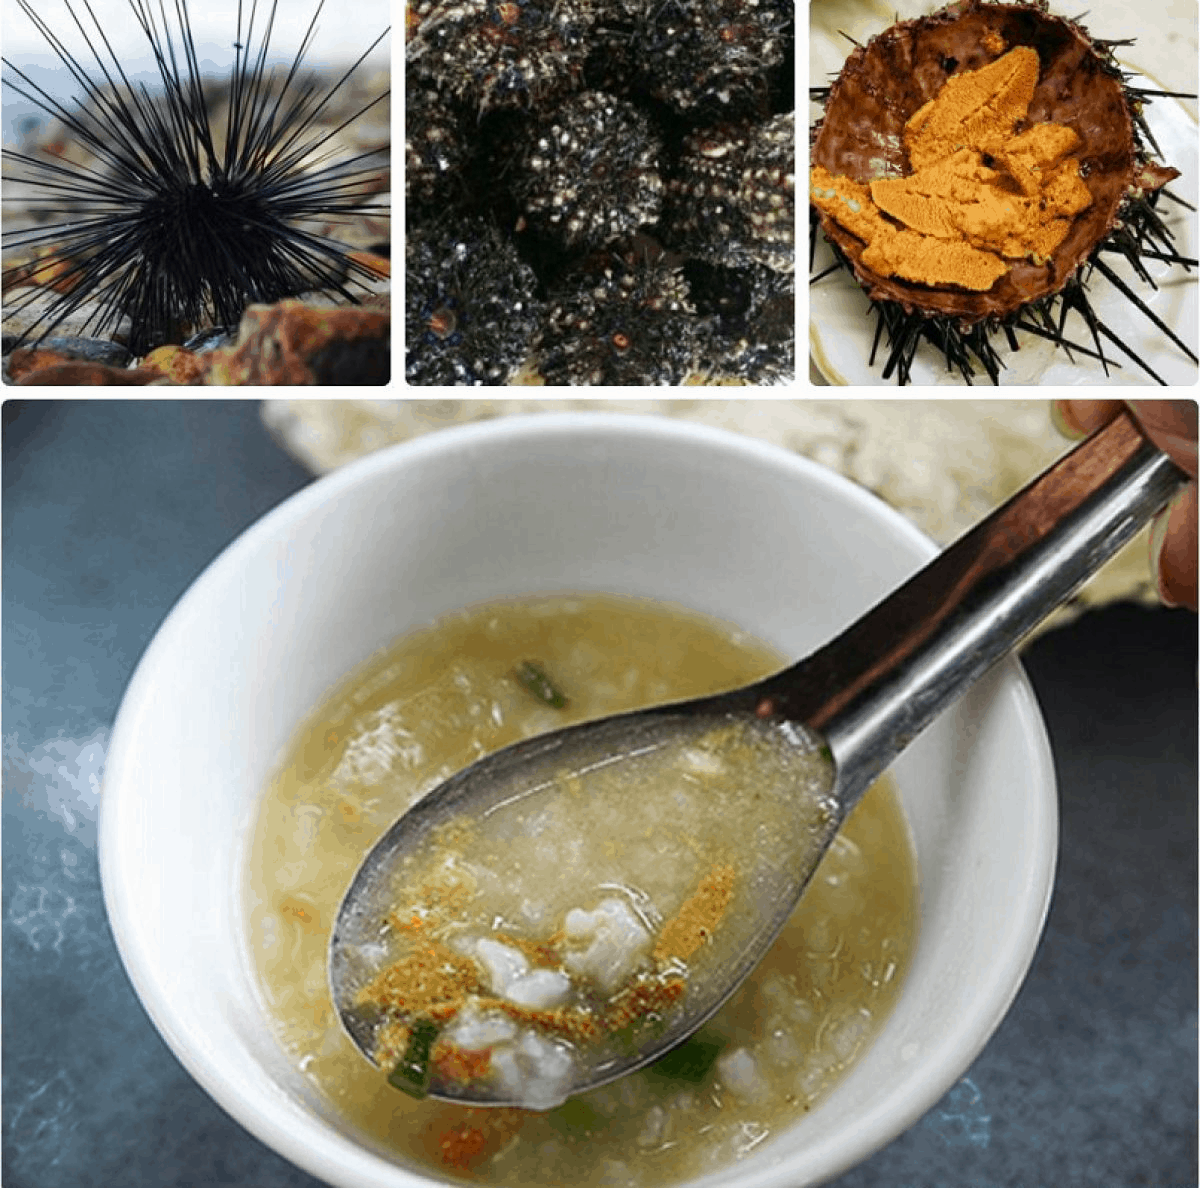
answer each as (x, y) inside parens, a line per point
(501, 53)
(766, 193)
(575, 127)
(435, 148)
(750, 315)
(732, 198)
(180, 218)
(865, 136)
(470, 312)
(713, 57)
(590, 175)
(630, 322)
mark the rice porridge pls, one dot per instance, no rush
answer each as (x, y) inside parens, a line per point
(489, 971)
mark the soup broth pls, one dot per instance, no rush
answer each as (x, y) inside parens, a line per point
(437, 700)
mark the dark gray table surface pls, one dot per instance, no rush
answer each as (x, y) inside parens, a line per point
(110, 509)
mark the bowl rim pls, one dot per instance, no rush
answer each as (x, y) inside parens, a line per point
(336, 1158)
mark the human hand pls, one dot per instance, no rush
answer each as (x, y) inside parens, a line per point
(1171, 425)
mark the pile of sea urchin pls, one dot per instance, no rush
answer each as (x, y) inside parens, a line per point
(599, 191)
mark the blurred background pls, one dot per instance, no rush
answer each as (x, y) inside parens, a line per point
(336, 43)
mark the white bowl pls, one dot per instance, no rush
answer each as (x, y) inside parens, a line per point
(744, 531)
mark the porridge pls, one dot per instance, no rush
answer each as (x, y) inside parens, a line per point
(514, 986)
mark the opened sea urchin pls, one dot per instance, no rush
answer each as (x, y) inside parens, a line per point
(181, 217)
(973, 168)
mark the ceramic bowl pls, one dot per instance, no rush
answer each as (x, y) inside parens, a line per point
(635, 505)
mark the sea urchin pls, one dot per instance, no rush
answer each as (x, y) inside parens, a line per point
(972, 170)
(182, 218)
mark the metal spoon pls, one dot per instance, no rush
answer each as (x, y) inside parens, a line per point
(867, 695)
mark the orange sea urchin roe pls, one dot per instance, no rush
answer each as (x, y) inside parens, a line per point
(895, 251)
(976, 109)
(979, 194)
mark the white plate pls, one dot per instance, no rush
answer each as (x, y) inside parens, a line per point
(841, 330)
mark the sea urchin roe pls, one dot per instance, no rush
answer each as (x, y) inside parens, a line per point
(896, 251)
(980, 194)
(976, 109)
(693, 924)
(606, 899)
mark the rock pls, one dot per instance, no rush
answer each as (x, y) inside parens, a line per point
(293, 343)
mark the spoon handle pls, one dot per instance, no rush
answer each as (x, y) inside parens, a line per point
(879, 684)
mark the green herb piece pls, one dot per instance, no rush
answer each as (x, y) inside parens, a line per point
(411, 1074)
(692, 1059)
(534, 680)
(576, 1119)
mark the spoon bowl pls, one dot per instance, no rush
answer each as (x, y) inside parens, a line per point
(780, 792)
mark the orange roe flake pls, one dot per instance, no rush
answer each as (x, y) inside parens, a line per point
(463, 1145)
(428, 978)
(306, 917)
(544, 954)
(391, 1042)
(571, 1022)
(698, 917)
(976, 109)
(414, 923)
(461, 1064)
(465, 1138)
(644, 998)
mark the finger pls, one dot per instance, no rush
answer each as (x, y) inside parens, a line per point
(1173, 551)
(1078, 418)
(1171, 425)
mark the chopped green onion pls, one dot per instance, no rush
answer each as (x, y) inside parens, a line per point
(534, 680)
(692, 1059)
(576, 1119)
(411, 1074)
